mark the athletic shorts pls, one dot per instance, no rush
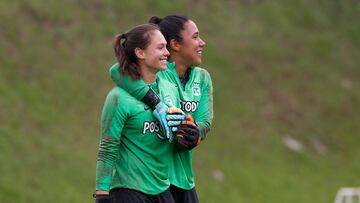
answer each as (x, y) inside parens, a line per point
(124, 195)
(184, 196)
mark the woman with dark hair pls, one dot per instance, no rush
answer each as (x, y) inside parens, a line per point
(133, 159)
(195, 89)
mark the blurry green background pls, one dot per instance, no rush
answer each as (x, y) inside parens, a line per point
(286, 82)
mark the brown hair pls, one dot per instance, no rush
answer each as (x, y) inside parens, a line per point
(137, 37)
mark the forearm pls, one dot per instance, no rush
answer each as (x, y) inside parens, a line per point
(204, 128)
(112, 121)
(105, 163)
(204, 115)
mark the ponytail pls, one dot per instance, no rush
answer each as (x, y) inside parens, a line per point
(124, 48)
(155, 20)
(120, 52)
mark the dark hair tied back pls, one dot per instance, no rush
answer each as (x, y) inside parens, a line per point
(155, 20)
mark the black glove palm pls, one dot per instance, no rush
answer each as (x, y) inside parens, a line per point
(188, 133)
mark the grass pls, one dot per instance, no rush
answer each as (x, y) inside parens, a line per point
(279, 69)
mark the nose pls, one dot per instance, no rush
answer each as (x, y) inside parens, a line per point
(166, 53)
(202, 42)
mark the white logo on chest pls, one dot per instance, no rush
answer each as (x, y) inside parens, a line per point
(151, 127)
(196, 89)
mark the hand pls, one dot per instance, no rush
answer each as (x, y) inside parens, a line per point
(160, 113)
(169, 117)
(174, 117)
(188, 134)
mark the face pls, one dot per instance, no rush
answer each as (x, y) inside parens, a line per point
(155, 54)
(191, 47)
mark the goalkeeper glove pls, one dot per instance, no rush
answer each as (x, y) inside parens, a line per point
(169, 117)
(174, 117)
(188, 134)
(159, 110)
(160, 113)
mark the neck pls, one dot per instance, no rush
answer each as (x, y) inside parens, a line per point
(148, 75)
(180, 66)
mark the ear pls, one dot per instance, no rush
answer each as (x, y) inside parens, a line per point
(140, 54)
(174, 45)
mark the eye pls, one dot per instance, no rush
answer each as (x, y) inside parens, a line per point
(161, 46)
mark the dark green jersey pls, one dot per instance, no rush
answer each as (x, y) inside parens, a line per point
(132, 154)
(196, 99)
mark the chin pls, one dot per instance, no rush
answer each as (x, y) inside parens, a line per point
(163, 67)
(197, 62)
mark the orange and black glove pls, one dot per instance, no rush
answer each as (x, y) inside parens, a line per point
(188, 134)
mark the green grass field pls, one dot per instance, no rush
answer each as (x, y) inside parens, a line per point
(280, 69)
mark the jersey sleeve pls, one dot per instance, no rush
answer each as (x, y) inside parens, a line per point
(112, 123)
(136, 88)
(204, 114)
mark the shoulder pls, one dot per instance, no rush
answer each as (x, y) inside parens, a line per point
(114, 72)
(201, 74)
(120, 101)
(166, 85)
(201, 71)
(117, 94)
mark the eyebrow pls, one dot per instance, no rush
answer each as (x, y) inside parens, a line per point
(161, 44)
(196, 33)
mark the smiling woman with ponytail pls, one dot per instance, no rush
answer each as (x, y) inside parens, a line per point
(133, 159)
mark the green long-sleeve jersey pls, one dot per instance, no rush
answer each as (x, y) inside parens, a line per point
(196, 99)
(132, 153)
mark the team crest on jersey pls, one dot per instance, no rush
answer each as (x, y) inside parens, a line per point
(196, 89)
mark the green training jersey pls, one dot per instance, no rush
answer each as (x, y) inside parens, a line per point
(196, 99)
(132, 153)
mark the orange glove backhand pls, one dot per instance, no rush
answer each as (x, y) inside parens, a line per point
(188, 133)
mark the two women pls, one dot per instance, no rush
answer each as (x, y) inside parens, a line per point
(195, 90)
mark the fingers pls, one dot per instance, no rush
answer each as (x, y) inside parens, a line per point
(173, 123)
(174, 110)
(189, 118)
(174, 129)
(166, 128)
(186, 145)
(175, 117)
(186, 122)
(187, 126)
(180, 136)
(186, 142)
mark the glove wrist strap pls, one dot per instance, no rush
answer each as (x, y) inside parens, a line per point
(151, 99)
